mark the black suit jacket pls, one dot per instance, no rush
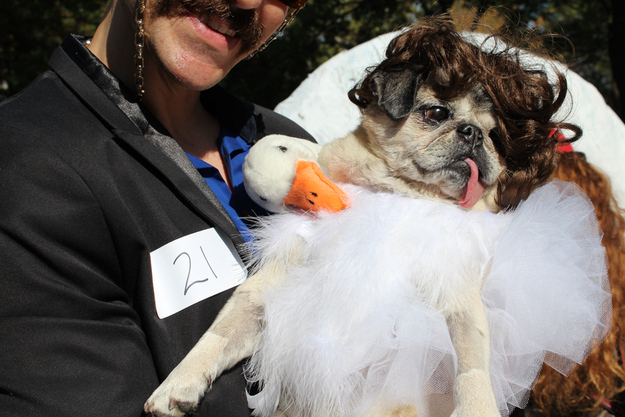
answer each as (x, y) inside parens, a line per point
(84, 199)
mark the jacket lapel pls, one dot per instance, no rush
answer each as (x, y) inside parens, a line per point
(167, 159)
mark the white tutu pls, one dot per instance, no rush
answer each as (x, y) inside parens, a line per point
(356, 321)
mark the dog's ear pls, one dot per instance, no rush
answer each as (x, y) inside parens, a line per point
(396, 89)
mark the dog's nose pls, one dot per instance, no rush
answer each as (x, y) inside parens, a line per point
(471, 134)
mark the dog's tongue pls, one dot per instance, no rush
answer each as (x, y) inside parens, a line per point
(474, 189)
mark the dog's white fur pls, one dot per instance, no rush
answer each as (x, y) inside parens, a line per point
(378, 155)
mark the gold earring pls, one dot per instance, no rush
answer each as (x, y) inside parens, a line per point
(139, 44)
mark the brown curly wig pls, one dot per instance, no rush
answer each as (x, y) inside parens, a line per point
(593, 386)
(524, 99)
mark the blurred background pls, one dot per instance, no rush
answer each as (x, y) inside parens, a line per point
(29, 32)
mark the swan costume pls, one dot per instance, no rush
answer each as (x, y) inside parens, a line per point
(356, 321)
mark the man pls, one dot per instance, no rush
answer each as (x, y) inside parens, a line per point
(121, 205)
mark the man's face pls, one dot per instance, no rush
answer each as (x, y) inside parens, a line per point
(196, 42)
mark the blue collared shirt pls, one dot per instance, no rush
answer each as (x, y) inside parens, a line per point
(237, 203)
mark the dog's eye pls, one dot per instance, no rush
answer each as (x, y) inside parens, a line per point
(436, 114)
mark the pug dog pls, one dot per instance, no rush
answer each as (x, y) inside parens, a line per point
(443, 120)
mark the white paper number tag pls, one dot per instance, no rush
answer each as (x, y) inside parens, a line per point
(194, 268)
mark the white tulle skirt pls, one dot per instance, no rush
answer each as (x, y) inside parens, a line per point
(361, 318)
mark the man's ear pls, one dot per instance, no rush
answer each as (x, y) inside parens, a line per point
(396, 89)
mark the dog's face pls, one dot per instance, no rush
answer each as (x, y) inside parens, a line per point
(466, 123)
(440, 148)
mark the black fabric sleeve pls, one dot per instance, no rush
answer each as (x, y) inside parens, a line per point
(71, 343)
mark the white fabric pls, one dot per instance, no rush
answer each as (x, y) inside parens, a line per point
(320, 105)
(356, 320)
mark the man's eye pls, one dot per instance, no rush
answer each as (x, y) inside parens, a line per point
(437, 114)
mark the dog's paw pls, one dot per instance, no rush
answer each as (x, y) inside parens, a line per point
(177, 398)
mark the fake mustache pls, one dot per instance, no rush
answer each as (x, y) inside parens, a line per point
(245, 22)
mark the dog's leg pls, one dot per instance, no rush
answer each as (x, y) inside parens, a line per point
(231, 338)
(473, 392)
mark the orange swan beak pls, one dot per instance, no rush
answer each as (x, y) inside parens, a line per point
(312, 190)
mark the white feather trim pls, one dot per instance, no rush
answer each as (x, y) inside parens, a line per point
(363, 316)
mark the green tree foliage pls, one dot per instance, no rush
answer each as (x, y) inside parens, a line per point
(30, 30)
